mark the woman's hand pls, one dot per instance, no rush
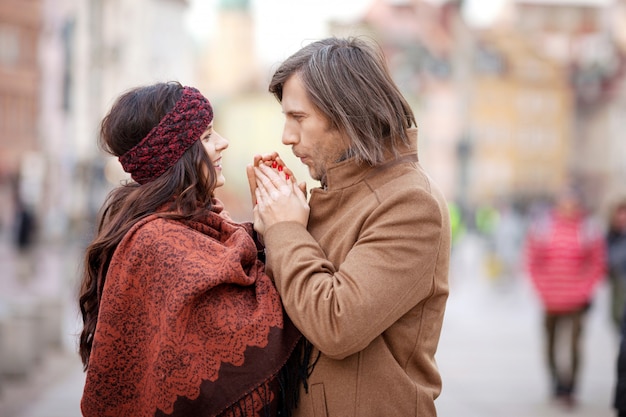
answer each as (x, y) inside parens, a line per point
(268, 159)
(277, 196)
(270, 181)
(275, 161)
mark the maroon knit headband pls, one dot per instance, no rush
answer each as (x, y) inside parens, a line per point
(166, 142)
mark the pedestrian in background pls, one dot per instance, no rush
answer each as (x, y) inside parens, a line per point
(565, 259)
(24, 232)
(616, 263)
(616, 260)
(179, 316)
(362, 266)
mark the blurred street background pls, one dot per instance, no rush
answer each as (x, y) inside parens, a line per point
(514, 99)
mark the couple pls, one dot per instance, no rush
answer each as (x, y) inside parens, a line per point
(330, 306)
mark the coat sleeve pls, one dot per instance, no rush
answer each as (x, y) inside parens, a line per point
(390, 269)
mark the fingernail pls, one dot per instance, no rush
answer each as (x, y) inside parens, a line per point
(274, 164)
(286, 176)
(280, 168)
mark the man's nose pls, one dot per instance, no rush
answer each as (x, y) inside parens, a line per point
(289, 137)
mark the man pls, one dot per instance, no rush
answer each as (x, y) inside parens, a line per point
(362, 268)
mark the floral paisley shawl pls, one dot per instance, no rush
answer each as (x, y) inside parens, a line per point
(189, 324)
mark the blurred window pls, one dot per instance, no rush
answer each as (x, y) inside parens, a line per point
(9, 45)
(488, 61)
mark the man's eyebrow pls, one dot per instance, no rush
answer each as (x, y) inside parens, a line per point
(294, 112)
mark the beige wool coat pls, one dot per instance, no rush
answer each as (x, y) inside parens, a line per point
(367, 284)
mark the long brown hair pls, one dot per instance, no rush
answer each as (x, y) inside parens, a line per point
(184, 191)
(349, 82)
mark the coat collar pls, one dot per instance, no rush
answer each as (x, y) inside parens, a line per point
(345, 173)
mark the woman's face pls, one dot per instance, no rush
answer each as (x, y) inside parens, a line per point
(214, 144)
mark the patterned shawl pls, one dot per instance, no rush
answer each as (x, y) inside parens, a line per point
(189, 325)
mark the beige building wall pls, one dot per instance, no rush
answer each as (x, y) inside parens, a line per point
(586, 38)
(439, 127)
(228, 64)
(521, 124)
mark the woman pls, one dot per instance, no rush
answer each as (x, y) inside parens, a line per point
(179, 316)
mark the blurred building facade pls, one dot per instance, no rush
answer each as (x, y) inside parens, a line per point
(20, 81)
(585, 37)
(520, 121)
(516, 110)
(228, 64)
(64, 63)
(510, 112)
(20, 26)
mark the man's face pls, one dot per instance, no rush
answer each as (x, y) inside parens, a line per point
(309, 133)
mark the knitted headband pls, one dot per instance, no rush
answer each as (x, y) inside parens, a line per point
(166, 142)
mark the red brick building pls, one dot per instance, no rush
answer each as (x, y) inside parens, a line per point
(20, 27)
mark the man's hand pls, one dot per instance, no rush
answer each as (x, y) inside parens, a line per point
(278, 198)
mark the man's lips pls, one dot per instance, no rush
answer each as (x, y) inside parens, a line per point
(302, 158)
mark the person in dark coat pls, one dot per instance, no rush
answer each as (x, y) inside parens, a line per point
(620, 388)
(616, 261)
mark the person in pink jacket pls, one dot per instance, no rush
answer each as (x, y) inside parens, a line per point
(565, 259)
(362, 265)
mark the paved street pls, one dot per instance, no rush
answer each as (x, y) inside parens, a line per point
(490, 354)
(53, 387)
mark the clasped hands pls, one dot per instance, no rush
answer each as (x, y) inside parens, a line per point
(276, 196)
